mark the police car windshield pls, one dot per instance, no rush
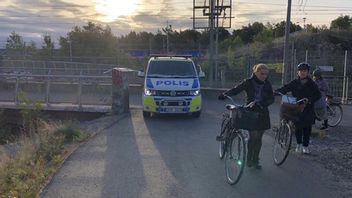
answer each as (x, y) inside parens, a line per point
(175, 69)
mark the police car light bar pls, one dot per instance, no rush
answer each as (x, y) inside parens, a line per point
(168, 55)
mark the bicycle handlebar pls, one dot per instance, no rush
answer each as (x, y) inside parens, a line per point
(303, 100)
(234, 103)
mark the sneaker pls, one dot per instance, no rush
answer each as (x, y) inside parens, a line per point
(299, 148)
(249, 163)
(306, 150)
(258, 166)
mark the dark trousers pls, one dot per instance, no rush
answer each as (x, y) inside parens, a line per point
(254, 146)
(303, 134)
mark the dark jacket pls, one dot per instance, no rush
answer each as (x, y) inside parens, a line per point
(308, 90)
(267, 98)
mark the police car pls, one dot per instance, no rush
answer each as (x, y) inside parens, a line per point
(171, 86)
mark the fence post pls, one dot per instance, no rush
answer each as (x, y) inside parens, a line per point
(80, 90)
(120, 93)
(47, 98)
(344, 99)
(306, 56)
(347, 83)
(16, 90)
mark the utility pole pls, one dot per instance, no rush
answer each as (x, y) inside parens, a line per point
(167, 36)
(217, 42)
(204, 12)
(211, 32)
(70, 50)
(304, 24)
(285, 69)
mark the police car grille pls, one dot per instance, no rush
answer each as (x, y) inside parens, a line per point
(168, 93)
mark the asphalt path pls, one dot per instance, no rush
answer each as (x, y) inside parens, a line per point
(176, 156)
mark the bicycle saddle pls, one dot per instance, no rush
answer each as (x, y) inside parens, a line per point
(230, 107)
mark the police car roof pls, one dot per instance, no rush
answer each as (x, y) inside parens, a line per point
(170, 57)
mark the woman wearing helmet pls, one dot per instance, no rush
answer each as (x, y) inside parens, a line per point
(303, 87)
(320, 105)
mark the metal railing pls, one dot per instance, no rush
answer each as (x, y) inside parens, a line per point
(75, 89)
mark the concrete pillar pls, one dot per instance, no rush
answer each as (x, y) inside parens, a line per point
(120, 93)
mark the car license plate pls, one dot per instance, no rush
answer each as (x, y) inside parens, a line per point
(173, 110)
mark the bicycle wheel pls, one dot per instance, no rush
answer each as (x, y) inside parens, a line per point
(335, 113)
(235, 157)
(282, 143)
(225, 127)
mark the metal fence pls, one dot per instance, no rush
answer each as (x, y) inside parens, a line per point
(54, 89)
(84, 80)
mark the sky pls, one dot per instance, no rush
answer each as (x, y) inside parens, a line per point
(34, 18)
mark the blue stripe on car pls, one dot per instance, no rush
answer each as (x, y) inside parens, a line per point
(149, 83)
(195, 84)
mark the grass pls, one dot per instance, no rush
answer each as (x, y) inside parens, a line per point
(39, 157)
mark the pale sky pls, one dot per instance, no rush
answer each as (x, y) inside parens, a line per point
(34, 18)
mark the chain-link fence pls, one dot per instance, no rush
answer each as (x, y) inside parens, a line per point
(230, 69)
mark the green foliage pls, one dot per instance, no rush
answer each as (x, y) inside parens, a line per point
(265, 36)
(89, 40)
(70, 132)
(50, 147)
(277, 67)
(31, 114)
(341, 23)
(14, 42)
(24, 175)
(47, 46)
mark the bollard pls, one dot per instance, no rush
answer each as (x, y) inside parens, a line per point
(120, 93)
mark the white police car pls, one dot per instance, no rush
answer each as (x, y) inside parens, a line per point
(171, 85)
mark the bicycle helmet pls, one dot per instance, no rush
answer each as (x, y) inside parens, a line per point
(303, 66)
(317, 73)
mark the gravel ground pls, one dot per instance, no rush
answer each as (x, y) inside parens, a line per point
(332, 149)
(334, 152)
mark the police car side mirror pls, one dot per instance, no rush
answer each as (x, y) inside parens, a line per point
(201, 74)
(140, 74)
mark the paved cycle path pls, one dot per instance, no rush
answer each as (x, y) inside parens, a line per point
(176, 156)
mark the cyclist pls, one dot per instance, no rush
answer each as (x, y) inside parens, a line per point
(259, 94)
(320, 105)
(303, 87)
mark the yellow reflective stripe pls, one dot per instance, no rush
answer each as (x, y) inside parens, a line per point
(148, 101)
(196, 102)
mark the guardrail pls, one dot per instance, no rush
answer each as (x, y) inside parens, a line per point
(74, 89)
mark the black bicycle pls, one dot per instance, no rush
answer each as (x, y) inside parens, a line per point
(232, 144)
(334, 111)
(290, 111)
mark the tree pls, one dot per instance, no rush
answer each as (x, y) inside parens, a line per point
(90, 41)
(341, 23)
(279, 29)
(14, 42)
(31, 49)
(265, 36)
(247, 33)
(48, 46)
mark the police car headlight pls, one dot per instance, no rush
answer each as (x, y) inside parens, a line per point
(149, 92)
(194, 92)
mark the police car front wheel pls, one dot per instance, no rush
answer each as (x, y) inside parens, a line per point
(146, 114)
(196, 114)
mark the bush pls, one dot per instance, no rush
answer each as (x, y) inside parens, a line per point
(70, 133)
(39, 157)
